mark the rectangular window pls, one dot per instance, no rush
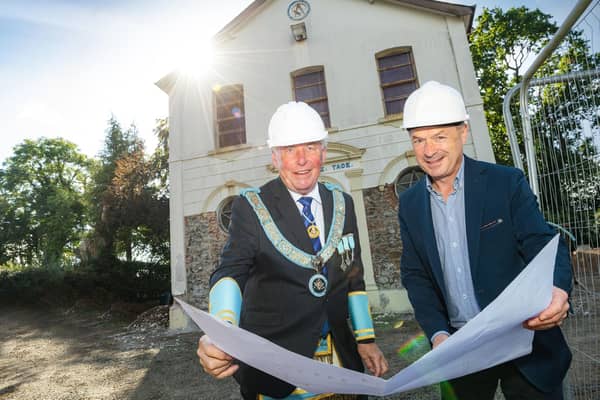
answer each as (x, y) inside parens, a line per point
(309, 87)
(397, 77)
(230, 118)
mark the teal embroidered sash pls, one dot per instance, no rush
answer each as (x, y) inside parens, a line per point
(288, 250)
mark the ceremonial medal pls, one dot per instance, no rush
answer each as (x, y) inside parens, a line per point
(317, 285)
(313, 231)
(345, 249)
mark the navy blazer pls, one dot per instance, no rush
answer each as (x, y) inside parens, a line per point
(277, 304)
(505, 230)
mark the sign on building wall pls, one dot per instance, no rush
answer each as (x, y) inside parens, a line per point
(337, 167)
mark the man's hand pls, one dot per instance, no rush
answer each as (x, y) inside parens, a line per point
(553, 315)
(214, 361)
(438, 340)
(373, 358)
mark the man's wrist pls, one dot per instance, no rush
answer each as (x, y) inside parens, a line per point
(366, 341)
(438, 333)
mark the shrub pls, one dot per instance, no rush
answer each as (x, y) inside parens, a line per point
(123, 281)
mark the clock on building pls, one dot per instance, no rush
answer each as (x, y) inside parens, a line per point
(298, 10)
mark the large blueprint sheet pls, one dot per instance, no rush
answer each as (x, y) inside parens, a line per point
(494, 336)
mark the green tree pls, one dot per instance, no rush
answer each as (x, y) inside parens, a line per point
(568, 164)
(131, 213)
(157, 237)
(42, 207)
(118, 144)
(566, 153)
(160, 158)
(142, 212)
(501, 43)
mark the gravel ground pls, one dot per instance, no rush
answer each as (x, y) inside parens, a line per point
(79, 354)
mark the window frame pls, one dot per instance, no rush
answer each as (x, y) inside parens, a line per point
(224, 211)
(239, 101)
(325, 116)
(413, 171)
(382, 86)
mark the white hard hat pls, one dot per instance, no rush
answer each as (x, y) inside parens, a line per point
(295, 123)
(434, 104)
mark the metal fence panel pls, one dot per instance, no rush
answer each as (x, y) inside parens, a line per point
(559, 117)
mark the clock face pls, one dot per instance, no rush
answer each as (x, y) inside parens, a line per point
(298, 10)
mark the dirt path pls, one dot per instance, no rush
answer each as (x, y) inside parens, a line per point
(74, 354)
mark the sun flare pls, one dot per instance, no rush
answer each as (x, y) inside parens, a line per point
(195, 58)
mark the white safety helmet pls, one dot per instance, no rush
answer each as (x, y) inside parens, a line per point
(434, 104)
(295, 123)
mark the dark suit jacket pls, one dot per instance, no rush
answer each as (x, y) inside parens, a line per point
(277, 304)
(505, 230)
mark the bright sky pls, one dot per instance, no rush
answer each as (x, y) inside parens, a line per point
(66, 66)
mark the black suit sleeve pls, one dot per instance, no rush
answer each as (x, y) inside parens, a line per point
(238, 253)
(533, 233)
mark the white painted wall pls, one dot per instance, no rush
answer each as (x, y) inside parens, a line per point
(343, 36)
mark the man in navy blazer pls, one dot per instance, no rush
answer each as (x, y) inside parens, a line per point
(468, 229)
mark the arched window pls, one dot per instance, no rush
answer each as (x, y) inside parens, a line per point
(408, 177)
(224, 213)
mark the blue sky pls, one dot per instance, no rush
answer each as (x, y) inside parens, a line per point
(66, 66)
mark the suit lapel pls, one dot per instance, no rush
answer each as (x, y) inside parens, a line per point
(475, 188)
(286, 216)
(327, 202)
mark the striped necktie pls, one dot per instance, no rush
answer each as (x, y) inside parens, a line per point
(309, 220)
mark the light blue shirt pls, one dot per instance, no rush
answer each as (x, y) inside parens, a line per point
(451, 238)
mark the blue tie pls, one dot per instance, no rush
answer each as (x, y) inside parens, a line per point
(309, 219)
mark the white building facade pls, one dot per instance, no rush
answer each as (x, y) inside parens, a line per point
(355, 61)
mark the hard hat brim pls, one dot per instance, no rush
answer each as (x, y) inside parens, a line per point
(424, 124)
(294, 141)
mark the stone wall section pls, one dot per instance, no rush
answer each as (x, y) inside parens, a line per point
(204, 241)
(381, 207)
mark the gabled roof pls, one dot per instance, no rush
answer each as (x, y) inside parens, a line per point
(439, 7)
(239, 19)
(458, 10)
(467, 13)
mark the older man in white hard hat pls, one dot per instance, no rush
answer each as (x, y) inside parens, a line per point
(291, 270)
(468, 229)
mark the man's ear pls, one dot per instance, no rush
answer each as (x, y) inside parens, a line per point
(274, 159)
(465, 133)
(323, 155)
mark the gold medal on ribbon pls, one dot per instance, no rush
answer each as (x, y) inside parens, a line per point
(313, 231)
